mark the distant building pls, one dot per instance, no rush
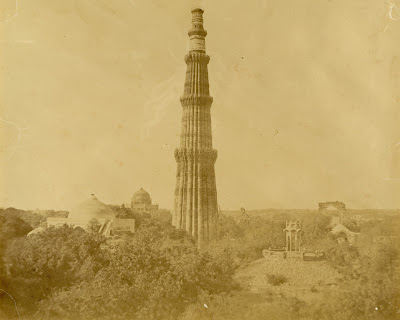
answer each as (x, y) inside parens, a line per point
(92, 211)
(335, 209)
(335, 204)
(358, 218)
(141, 202)
(343, 234)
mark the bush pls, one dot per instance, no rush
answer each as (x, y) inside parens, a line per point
(276, 279)
(369, 298)
(153, 276)
(42, 263)
(11, 227)
(314, 289)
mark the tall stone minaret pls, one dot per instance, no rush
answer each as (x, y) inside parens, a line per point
(196, 193)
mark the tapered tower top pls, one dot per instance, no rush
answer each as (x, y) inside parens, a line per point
(197, 33)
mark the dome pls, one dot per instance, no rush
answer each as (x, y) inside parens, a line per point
(141, 197)
(91, 208)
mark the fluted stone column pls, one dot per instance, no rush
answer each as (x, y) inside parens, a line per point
(196, 208)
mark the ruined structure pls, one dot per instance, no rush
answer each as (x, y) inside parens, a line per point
(293, 236)
(341, 209)
(336, 204)
(195, 208)
(293, 248)
(343, 234)
(293, 233)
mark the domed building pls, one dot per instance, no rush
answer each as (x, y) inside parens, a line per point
(141, 202)
(93, 210)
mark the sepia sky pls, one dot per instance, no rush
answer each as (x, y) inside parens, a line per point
(306, 101)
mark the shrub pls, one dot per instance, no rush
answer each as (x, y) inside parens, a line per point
(276, 279)
(56, 258)
(314, 289)
(154, 276)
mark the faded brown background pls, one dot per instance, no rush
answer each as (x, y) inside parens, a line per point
(306, 100)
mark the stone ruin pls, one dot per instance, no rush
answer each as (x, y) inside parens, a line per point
(293, 238)
(339, 206)
(293, 233)
(293, 248)
(336, 204)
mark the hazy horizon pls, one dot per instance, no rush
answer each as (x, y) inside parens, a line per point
(306, 101)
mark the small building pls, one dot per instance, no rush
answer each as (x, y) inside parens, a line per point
(343, 234)
(358, 219)
(141, 202)
(92, 211)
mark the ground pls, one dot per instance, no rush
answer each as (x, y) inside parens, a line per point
(306, 280)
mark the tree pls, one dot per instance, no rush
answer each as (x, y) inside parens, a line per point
(57, 258)
(93, 226)
(316, 228)
(228, 228)
(144, 280)
(11, 227)
(154, 276)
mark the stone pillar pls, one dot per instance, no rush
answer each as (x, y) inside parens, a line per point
(293, 235)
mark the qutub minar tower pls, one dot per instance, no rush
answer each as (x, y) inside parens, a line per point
(196, 209)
